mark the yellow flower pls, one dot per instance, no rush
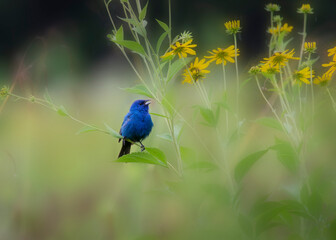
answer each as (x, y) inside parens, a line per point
(272, 7)
(277, 30)
(303, 75)
(223, 55)
(310, 47)
(274, 30)
(331, 52)
(196, 71)
(182, 50)
(286, 28)
(254, 70)
(269, 69)
(322, 80)
(305, 8)
(280, 59)
(233, 27)
(332, 66)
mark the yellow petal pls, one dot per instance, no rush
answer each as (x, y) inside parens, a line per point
(229, 59)
(305, 80)
(190, 51)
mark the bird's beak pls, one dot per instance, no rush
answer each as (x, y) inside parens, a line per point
(147, 102)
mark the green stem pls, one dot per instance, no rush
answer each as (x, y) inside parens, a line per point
(109, 14)
(226, 112)
(237, 76)
(304, 34)
(270, 44)
(332, 99)
(312, 89)
(271, 106)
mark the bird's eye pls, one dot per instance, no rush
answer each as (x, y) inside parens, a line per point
(142, 103)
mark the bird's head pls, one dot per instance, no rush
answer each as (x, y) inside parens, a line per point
(140, 105)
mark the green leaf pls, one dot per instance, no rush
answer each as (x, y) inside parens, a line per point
(112, 132)
(132, 21)
(131, 45)
(208, 116)
(264, 221)
(159, 115)
(296, 208)
(312, 199)
(144, 157)
(246, 163)
(47, 97)
(119, 36)
(246, 81)
(143, 12)
(87, 129)
(139, 89)
(287, 42)
(157, 153)
(62, 111)
(177, 66)
(165, 136)
(163, 25)
(178, 130)
(309, 63)
(141, 28)
(270, 122)
(286, 154)
(160, 40)
(166, 104)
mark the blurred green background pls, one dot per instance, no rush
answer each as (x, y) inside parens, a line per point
(59, 185)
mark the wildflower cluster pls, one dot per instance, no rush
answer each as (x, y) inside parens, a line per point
(273, 64)
(284, 80)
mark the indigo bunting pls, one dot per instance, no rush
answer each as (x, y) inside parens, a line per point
(136, 126)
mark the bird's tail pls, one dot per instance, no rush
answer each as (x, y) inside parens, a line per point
(125, 149)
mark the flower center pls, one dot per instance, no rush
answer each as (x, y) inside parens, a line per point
(222, 55)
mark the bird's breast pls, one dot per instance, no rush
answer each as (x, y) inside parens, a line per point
(138, 128)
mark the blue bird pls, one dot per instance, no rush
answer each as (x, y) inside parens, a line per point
(136, 126)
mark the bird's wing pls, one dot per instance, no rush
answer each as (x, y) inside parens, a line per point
(127, 118)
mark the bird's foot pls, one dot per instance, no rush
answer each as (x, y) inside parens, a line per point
(142, 147)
